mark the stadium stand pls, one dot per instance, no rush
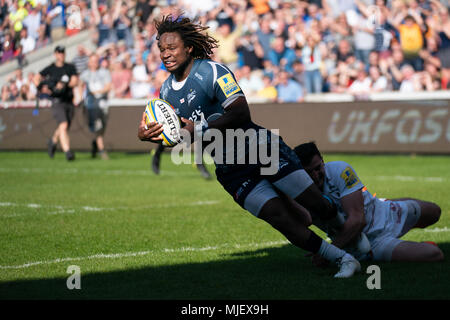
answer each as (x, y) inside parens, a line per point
(354, 47)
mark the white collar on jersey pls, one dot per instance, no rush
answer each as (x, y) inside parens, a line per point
(178, 85)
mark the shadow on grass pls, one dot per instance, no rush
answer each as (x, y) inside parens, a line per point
(267, 274)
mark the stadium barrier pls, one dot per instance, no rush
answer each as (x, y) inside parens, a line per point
(414, 124)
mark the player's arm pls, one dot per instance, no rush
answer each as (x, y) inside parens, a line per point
(236, 114)
(226, 90)
(353, 206)
(150, 132)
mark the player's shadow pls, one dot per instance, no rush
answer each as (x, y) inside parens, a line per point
(268, 274)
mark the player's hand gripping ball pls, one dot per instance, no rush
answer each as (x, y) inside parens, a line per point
(158, 110)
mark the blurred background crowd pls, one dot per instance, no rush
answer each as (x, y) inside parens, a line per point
(279, 50)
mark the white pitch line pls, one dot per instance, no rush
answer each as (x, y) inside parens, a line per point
(408, 178)
(95, 171)
(172, 250)
(431, 230)
(176, 174)
(7, 204)
(444, 229)
(72, 210)
(144, 253)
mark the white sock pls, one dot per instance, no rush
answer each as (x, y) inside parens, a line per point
(330, 251)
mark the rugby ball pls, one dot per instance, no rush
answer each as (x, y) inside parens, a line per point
(158, 110)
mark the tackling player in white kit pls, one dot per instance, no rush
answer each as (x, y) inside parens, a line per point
(382, 221)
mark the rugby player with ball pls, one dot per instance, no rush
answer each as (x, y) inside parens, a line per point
(201, 89)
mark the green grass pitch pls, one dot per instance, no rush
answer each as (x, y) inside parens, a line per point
(135, 235)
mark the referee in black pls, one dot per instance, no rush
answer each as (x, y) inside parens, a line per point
(58, 80)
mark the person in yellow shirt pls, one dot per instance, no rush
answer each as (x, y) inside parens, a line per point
(411, 38)
(17, 16)
(269, 92)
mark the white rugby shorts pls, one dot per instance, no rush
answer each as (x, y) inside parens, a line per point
(291, 185)
(402, 216)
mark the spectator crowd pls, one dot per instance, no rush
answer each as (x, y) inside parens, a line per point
(279, 50)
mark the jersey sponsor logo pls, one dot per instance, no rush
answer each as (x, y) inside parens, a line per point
(228, 85)
(241, 189)
(350, 177)
(197, 115)
(198, 76)
(191, 96)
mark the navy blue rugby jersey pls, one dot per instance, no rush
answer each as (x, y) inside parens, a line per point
(209, 88)
(207, 91)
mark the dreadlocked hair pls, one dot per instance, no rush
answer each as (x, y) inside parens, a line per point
(192, 34)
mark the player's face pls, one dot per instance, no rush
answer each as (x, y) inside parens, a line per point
(316, 170)
(174, 55)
